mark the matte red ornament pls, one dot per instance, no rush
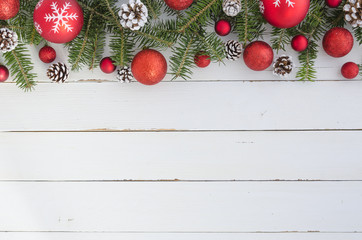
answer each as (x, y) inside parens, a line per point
(350, 70)
(179, 4)
(222, 27)
(284, 13)
(149, 67)
(58, 21)
(107, 65)
(333, 3)
(299, 43)
(4, 73)
(338, 42)
(202, 60)
(9, 9)
(258, 55)
(47, 54)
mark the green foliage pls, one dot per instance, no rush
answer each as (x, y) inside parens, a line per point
(122, 47)
(307, 59)
(280, 38)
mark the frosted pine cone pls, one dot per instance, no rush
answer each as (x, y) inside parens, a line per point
(231, 7)
(233, 50)
(58, 72)
(353, 12)
(283, 66)
(133, 15)
(8, 40)
(125, 75)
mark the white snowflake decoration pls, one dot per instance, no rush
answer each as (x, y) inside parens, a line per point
(60, 17)
(38, 27)
(39, 4)
(289, 2)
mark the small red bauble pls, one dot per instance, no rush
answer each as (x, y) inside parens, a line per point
(202, 60)
(222, 27)
(9, 9)
(333, 3)
(107, 65)
(299, 43)
(350, 70)
(258, 55)
(338, 42)
(47, 54)
(179, 4)
(149, 67)
(284, 13)
(58, 21)
(4, 73)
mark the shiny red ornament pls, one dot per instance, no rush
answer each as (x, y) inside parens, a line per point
(4, 73)
(338, 42)
(258, 55)
(149, 67)
(9, 9)
(47, 54)
(107, 65)
(299, 43)
(202, 60)
(350, 70)
(179, 4)
(333, 3)
(58, 21)
(284, 13)
(222, 27)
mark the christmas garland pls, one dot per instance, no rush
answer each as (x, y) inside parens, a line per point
(82, 26)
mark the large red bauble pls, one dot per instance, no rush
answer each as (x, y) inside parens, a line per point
(47, 54)
(338, 42)
(9, 9)
(58, 21)
(4, 73)
(222, 27)
(350, 70)
(107, 65)
(284, 13)
(178, 4)
(149, 67)
(202, 60)
(333, 3)
(299, 43)
(258, 55)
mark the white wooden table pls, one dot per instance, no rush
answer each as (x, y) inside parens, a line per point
(232, 154)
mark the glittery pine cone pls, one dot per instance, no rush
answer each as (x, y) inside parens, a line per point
(125, 75)
(353, 12)
(233, 50)
(133, 15)
(283, 66)
(8, 40)
(231, 7)
(58, 72)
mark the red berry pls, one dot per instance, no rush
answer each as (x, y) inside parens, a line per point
(350, 70)
(299, 43)
(107, 65)
(47, 54)
(4, 73)
(202, 60)
(333, 3)
(222, 27)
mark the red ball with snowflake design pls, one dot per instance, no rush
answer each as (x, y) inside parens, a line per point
(284, 13)
(58, 21)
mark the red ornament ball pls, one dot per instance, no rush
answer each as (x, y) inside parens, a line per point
(9, 9)
(179, 4)
(149, 67)
(58, 21)
(350, 70)
(202, 60)
(284, 13)
(299, 43)
(222, 27)
(338, 42)
(47, 54)
(4, 73)
(107, 65)
(258, 55)
(333, 3)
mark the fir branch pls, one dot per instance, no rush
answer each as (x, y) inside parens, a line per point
(358, 34)
(307, 59)
(154, 8)
(115, 18)
(122, 44)
(212, 45)
(181, 60)
(280, 38)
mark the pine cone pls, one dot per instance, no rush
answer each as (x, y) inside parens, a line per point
(8, 40)
(353, 12)
(58, 72)
(133, 15)
(231, 7)
(125, 75)
(283, 66)
(233, 50)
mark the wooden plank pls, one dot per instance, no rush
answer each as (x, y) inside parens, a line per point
(183, 106)
(182, 207)
(181, 155)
